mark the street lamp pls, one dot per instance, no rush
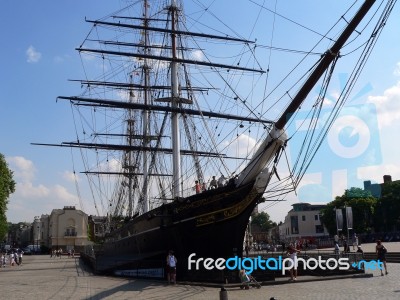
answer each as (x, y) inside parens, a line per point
(37, 239)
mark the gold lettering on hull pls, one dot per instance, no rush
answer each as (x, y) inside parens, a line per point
(227, 213)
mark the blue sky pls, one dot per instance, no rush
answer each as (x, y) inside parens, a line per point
(38, 58)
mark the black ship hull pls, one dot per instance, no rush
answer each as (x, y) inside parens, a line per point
(211, 224)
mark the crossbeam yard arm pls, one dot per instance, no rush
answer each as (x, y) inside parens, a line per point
(176, 32)
(192, 112)
(170, 59)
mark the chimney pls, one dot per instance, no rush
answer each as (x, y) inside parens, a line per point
(387, 178)
(367, 184)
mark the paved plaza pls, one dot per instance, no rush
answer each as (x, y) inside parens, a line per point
(42, 277)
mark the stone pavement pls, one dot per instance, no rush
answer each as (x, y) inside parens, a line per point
(42, 277)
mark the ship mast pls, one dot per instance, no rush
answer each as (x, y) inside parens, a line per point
(176, 157)
(146, 139)
(323, 65)
(277, 137)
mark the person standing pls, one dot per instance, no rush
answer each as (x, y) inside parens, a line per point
(16, 257)
(246, 249)
(213, 183)
(12, 258)
(361, 251)
(244, 278)
(221, 181)
(203, 187)
(197, 187)
(20, 253)
(3, 260)
(336, 237)
(292, 253)
(381, 254)
(337, 249)
(171, 267)
(355, 241)
(346, 247)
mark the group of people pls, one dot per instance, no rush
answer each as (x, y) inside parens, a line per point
(56, 253)
(71, 253)
(380, 251)
(346, 245)
(14, 258)
(214, 183)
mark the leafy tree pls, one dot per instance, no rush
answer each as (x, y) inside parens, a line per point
(3, 227)
(363, 207)
(329, 214)
(387, 217)
(363, 212)
(7, 187)
(262, 220)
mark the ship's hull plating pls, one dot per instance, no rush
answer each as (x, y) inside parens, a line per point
(211, 224)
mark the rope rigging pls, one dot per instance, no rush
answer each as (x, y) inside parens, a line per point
(206, 134)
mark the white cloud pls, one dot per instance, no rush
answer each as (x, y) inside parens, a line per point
(28, 191)
(111, 165)
(123, 95)
(387, 105)
(70, 176)
(33, 55)
(87, 56)
(62, 193)
(23, 169)
(60, 59)
(197, 55)
(242, 146)
(30, 199)
(375, 173)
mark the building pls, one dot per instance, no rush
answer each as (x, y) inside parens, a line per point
(97, 228)
(19, 235)
(66, 229)
(38, 229)
(376, 188)
(303, 221)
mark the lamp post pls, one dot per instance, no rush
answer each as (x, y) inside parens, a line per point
(37, 238)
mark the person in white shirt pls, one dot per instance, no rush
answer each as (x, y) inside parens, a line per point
(12, 258)
(171, 267)
(20, 257)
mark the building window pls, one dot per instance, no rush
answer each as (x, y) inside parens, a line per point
(316, 217)
(303, 218)
(70, 232)
(294, 224)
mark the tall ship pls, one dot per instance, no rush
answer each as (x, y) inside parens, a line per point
(181, 128)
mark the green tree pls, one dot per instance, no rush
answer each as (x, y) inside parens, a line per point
(387, 217)
(329, 214)
(7, 187)
(363, 206)
(262, 220)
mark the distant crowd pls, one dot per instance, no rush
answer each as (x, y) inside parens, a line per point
(12, 257)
